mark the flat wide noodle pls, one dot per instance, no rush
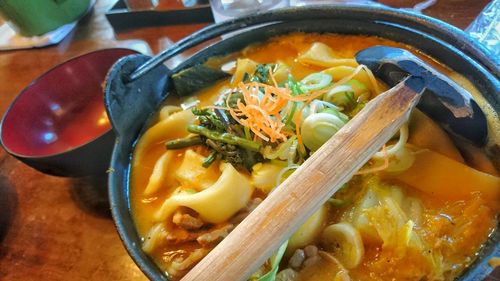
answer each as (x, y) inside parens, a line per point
(160, 174)
(175, 126)
(215, 204)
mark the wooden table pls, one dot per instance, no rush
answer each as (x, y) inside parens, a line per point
(55, 228)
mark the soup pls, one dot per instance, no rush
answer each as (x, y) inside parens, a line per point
(420, 209)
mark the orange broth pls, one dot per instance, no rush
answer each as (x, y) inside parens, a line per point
(476, 220)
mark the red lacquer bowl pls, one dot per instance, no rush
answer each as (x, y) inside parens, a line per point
(58, 124)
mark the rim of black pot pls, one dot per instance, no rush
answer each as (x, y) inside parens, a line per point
(119, 178)
(435, 27)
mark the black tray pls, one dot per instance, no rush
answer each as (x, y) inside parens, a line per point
(122, 19)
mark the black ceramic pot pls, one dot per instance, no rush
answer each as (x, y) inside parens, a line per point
(131, 101)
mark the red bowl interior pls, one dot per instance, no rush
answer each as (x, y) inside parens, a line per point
(61, 110)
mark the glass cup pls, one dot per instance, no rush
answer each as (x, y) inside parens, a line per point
(228, 9)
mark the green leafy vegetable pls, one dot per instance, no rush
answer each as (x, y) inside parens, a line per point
(262, 73)
(229, 140)
(183, 142)
(275, 262)
(350, 98)
(294, 86)
(230, 153)
(292, 106)
(210, 159)
(248, 134)
(209, 119)
(233, 99)
(224, 137)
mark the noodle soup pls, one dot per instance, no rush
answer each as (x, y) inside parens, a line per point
(420, 209)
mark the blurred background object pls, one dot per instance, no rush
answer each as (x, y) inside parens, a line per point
(58, 123)
(227, 9)
(12, 40)
(37, 17)
(299, 3)
(123, 16)
(141, 4)
(39, 23)
(419, 7)
(486, 28)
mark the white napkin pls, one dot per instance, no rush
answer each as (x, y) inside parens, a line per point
(11, 40)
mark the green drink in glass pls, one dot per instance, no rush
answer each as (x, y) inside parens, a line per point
(37, 17)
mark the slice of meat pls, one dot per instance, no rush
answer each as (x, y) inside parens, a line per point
(180, 264)
(241, 215)
(254, 203)
(214, 236)
(187, 221)
(206, 238)
(179, 235)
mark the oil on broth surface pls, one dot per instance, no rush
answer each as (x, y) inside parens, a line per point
(450, 232)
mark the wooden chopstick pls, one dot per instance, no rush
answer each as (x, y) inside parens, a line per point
(255, 239)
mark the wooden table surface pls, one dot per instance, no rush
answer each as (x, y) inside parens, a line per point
(54, 228)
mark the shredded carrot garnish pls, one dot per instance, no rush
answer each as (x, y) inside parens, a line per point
(272, 78)
(260, 111)
(262, 103)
